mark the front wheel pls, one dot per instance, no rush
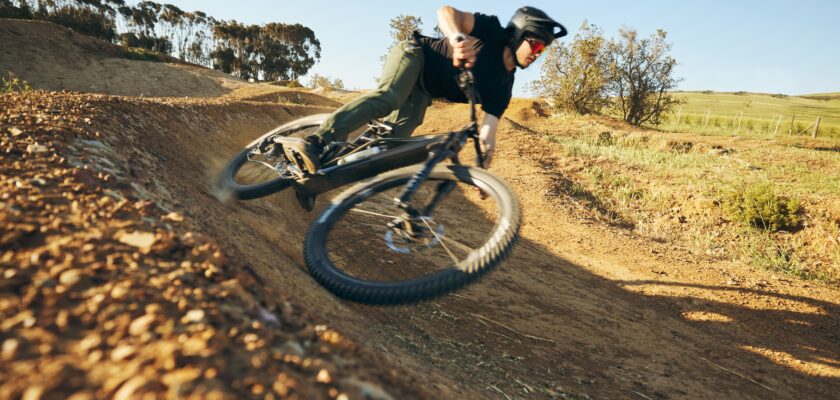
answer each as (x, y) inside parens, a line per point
(365, 248)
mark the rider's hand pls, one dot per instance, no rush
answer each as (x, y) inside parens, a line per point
(488, 157)
(464, 52)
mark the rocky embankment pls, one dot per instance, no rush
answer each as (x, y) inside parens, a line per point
(105, 294)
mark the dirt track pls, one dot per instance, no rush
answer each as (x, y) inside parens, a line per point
(580, 310)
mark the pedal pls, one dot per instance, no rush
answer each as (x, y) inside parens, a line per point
(307, 202)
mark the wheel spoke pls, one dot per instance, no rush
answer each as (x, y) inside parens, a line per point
(458, 244)
(358, 210)
(454, 259)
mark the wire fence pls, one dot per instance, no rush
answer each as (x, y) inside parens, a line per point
(739, 122)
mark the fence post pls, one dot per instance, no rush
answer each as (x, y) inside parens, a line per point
(779, 122)
(739, 122)
(816, 128)
(708, 115)
(792, 120)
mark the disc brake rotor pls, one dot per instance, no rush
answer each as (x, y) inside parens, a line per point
(282, 167)
(402, 242)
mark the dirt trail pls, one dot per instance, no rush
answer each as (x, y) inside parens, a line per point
(580, 310)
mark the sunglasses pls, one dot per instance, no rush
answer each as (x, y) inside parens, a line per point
(537, 47)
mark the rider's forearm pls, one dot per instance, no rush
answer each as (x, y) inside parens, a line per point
(487, 136)
(487, 131)
(452, 22)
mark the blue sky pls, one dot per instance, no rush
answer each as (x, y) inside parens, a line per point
(759, 46)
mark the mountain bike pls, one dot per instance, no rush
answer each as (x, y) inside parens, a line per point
(412, 227)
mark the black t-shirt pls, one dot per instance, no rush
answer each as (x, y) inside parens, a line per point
(493, 82)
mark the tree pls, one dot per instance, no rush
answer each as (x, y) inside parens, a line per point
(402, 28)
(85, 20)
(172, 21)
(574, 76)
(287, 51)
(271, 51)
(640, 75)
(437, 33)
(235, 51)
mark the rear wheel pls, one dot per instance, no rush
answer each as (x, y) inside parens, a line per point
(261, 168)
(365, 248)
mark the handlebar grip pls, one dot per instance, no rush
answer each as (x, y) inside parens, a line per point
(458, 38)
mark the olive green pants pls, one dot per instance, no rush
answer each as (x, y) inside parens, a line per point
(400, 97)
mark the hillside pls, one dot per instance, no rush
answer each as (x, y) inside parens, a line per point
(761, 113)
(125, 275)
(822, 96)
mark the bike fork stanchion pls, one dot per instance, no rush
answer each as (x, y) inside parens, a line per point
(479, 155)
(414, 183)
(443, 190)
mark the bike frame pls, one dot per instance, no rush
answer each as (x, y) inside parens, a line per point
(404, 152)
(401, 153)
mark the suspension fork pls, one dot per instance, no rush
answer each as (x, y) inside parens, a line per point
(443, 190)
(448, 150)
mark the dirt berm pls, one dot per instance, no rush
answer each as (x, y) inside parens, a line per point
(580, 310)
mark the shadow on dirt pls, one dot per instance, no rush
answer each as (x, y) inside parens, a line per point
(795, 333)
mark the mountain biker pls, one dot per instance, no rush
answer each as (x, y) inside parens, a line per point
(423, 68)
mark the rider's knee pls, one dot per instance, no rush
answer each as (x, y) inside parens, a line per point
(387, 98)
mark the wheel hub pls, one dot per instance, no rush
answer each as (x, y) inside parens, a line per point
(417, 233)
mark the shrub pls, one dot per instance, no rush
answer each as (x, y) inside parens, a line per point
(13, 84)
(679, 146)
(605, 139)
(321, 81)
(294, 83)
(7, 10)
(574, 74)
(760, 207)
(776, 255)
(160, 44)
(141, 54)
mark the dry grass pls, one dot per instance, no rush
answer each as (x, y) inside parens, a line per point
(673, 187)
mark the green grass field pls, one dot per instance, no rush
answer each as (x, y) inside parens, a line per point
(763, 114)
